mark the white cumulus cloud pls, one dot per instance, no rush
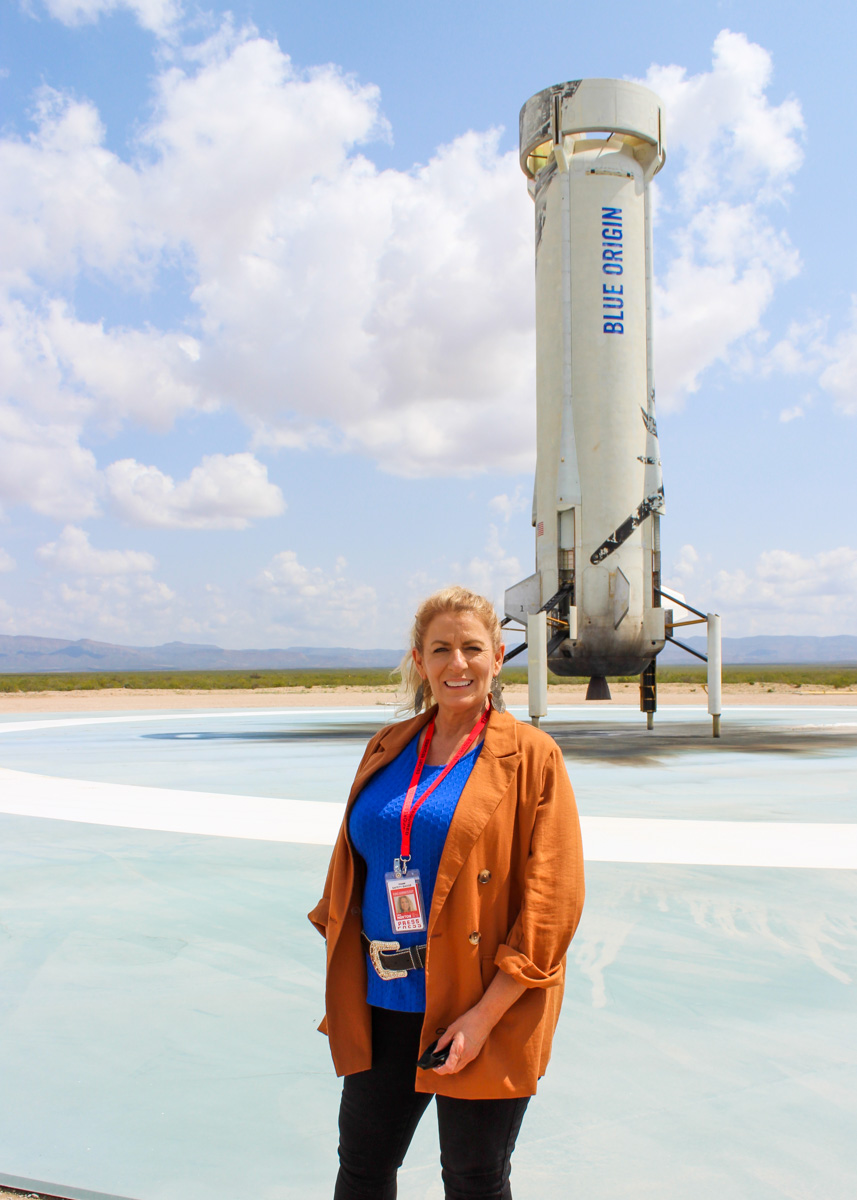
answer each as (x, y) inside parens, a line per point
(223, 492)
(686, 563)
(327, 302)
(113, 607)
(302, 599)
(389, 312)
(43, 465)
(731, 136)
(493, 570)
(792, 413)
(839, 378)
(720, 258)
(507, 506)
(715, 291)
(809, 349)
(158, 16)
(148, 373)
(784, 592)
(7, 562)
(107, 594)
(342, 305)
(67, 203)
(73, 554)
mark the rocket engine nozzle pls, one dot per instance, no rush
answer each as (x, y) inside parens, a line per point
(598, 689)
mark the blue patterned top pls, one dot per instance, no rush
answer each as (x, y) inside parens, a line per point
(375, 829)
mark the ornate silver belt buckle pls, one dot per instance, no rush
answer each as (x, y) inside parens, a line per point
(376, 949)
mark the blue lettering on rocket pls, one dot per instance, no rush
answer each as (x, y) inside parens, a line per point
(612, 298)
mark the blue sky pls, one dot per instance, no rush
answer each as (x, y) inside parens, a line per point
(266, 310)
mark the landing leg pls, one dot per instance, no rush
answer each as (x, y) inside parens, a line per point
(715, 672)
(537, 665)
(649, 692)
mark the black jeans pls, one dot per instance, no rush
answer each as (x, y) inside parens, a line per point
(380, 1111)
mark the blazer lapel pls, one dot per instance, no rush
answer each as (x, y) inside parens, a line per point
(392, 741)
(489, 781)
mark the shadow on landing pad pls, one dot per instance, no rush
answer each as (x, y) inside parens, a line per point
(629, 744)
(638, 746)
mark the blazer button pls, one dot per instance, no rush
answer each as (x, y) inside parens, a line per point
(484, 876)
(355, 911)
(475, 938)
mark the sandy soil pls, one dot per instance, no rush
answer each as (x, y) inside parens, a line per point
(134, 700)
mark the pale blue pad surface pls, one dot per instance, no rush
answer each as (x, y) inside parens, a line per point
(159, 992)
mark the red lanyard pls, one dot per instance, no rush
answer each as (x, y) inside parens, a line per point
(409, 808)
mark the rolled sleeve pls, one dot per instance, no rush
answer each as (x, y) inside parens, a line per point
(522, 968)
(535, 947)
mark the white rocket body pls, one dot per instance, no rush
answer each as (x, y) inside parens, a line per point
(598, 489)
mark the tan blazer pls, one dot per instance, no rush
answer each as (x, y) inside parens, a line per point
(508, 896)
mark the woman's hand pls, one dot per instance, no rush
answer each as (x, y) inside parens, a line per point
(469, 1032)
(467, 1035)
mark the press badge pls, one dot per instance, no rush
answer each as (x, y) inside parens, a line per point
(404, 892)
(405, 900)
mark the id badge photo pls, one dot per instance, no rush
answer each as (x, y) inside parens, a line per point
(405, 901)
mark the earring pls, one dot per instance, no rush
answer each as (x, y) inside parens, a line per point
(418, 699)
(497, 694)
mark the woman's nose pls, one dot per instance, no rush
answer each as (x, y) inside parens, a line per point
(457, 659)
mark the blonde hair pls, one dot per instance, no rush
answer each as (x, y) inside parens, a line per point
(416, 695)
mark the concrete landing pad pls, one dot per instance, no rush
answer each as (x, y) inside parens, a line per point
(159, 990)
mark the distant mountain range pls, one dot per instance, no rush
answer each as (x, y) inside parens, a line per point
(24, 655)
(765, 649)
(752, 651)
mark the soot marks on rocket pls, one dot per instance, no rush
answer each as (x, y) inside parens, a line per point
(649, 421)
(542, 179)
(540, 224)
(623, 532)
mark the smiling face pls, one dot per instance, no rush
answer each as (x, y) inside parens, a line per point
(458, 662)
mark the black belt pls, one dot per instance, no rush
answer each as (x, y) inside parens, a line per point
(413, 958)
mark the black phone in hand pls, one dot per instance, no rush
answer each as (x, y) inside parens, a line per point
(434, 1057)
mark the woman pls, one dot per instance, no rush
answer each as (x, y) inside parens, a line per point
(470, 815)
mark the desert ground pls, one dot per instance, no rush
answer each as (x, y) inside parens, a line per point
(145, 699)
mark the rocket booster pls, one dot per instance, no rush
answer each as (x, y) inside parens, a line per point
(590, 149)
